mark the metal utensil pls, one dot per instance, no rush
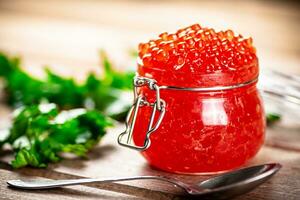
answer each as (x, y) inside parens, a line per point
(227, 185)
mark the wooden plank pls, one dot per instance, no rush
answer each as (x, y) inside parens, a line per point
(68, 193)
(111, 160)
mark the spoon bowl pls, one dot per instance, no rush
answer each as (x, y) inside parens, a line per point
(223, 186)
(237, 182)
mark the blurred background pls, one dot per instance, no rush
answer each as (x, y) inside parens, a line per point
(67, 35)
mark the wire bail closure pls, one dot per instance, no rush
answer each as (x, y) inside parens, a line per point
(125, 138)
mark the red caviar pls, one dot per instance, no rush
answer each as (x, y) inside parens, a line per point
(202, 132)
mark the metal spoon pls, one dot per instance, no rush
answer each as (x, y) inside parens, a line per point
(227, 185)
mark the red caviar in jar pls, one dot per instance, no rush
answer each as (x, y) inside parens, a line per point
(202, 131)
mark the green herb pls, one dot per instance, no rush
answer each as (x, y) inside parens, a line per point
(99, 93)
(40, 134)
(272, 118)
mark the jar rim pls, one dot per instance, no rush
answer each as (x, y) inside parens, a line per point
(202, 89)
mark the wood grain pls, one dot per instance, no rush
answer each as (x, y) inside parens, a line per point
(66, 35)
(111, 160)
(69, 193)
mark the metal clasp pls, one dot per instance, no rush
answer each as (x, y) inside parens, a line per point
(125, 138)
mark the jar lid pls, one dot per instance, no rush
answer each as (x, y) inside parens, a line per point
(198, 57)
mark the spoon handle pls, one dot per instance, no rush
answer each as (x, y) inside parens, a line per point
(47, 184)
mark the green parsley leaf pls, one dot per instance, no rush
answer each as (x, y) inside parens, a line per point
(94, 93)
(272, 118)
(49, 134)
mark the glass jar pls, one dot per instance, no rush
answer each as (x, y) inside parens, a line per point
(197, 130)
(196, 109)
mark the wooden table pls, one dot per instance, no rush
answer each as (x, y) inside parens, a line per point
(108, 159)
(66, 35)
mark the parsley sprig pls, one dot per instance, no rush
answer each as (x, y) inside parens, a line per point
(40, 134)
(74, 121)
(99, 93)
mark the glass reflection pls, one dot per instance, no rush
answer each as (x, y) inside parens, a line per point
(213, 112)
